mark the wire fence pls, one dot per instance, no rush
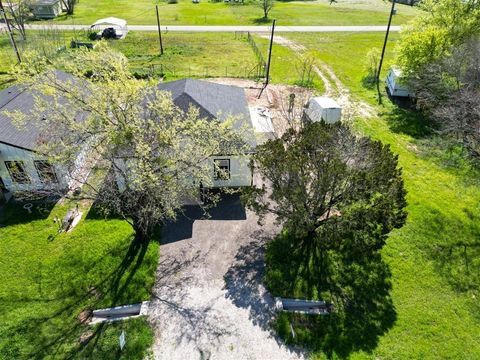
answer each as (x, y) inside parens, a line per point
(234, 55)
(179, 71)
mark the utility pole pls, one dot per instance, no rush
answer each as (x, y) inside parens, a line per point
(159, 31)
(10, 33)
(377, 77)
(267, 78)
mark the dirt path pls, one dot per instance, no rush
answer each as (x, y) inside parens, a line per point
(333, 85)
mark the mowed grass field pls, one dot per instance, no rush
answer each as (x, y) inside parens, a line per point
(142, 12)
(435, 257)
(198, 55)
(49, 279)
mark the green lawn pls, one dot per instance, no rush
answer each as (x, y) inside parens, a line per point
(189, 55)
(6, 59)
(198, 55)
(49, 279)
(142, 12)
(435, 257)
(286, 66)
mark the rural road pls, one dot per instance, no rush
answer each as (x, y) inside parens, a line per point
(230, 28)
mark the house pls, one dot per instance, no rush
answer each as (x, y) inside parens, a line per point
(219, 102)
(323, 108)
(22, 168)
(46, 9)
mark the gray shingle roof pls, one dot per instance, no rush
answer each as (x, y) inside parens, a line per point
(214, 101)
(19, 98)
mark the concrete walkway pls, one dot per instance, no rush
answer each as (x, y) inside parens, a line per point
(233, 28)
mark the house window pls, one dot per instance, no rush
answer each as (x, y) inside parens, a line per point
(222, 169)
(17, 172)
(46, 171)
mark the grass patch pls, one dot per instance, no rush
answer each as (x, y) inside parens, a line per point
(286, 65)
(189, 55)
(199, 55)
(48, 279)
(142, 12)
(347, 53)
(434, 258)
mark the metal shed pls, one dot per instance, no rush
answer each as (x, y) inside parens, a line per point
(323, 108)
(46, 9)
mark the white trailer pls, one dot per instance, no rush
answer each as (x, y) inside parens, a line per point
(395, 86)
(323, 108)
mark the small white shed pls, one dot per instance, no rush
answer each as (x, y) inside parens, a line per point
(395, 86)
(323, 108)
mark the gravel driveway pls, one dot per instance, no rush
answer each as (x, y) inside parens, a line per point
(208, 301)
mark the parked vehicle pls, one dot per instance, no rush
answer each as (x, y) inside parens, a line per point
(395, 86)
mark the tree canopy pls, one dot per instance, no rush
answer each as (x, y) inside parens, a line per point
(338, 196)
(444, 25)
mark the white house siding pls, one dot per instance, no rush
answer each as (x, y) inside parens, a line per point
(11, 153)
(240, 171)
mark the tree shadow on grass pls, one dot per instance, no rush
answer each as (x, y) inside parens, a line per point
(360, 291)
(13, 213)
(55, 329)
(262, 20)
(456, 251)
(408, 121)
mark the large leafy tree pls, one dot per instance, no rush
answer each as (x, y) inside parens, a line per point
(444, 25)
(338, 196)
(131, 149)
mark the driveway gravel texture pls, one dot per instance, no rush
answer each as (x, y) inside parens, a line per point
(208, 300)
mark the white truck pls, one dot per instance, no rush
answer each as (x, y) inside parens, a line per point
(395, 86)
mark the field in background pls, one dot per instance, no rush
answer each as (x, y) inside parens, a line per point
(142, 12)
